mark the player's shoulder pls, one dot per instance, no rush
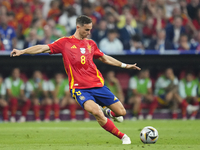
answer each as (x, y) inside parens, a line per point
(91, 41)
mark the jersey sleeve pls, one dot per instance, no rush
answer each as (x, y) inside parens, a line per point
(57, 46)
(97, 52)
(149, 85)
(3, 89)
(45, 86)
(51, 86)
(8, 83)
(29, 87)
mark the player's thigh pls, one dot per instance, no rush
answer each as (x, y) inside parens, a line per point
(93, 108)
(169, 96)
(118, 108)
(3, 103)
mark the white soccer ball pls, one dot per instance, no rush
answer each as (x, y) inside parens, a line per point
(149, 135)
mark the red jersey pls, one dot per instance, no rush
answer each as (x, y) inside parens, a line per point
(78, 61)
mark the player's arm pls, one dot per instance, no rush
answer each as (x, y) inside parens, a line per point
(37, 49)
(112, 61)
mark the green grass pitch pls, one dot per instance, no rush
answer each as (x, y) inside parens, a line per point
(173, 135)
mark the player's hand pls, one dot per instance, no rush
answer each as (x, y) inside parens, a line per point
(16, 52)
(134, 66)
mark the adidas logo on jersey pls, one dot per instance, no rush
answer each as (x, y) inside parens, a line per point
(73, 46)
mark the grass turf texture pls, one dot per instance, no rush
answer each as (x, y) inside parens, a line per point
(176, 135)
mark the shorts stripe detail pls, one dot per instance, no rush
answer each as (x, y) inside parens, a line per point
(101, 80)
(161, 101)
(72, 77)
(74, 96)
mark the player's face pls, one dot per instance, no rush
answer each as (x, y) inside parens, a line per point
(16, 73)
(37, 75)
(169, 73)
(189, 77)
(84, 31)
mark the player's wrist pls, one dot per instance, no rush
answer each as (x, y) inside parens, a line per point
(123, 65)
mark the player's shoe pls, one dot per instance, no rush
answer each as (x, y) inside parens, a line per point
(107, 111)
(140, 117)
(37, 120)
(12, 119)
(87, 119)
(191, 108)
(126, 140)
(192, 118)
(149, 117)
(22, 119)
(46, 120)
(73, 120)
(57, 120)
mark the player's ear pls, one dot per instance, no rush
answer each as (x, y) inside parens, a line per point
(77, 26)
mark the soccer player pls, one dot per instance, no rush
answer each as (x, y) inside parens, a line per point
(85, 81)
(37, 91)
(141, 92)
(166, 88)
(188, 92)
(16, 96)
(3, 103)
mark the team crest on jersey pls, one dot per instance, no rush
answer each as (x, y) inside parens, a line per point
(82, 98)
(82, 50)
(89, 48)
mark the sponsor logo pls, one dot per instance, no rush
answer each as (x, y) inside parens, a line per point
(73, 46)
(115, 98)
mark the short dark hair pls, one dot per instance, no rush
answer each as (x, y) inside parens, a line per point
(110, 31)
(81, 20)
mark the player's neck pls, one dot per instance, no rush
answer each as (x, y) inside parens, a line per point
(77, 36)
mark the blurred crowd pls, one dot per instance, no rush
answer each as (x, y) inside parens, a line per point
(39, 93)
(118, 25)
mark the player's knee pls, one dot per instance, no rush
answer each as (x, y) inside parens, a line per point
(138, 100)
(97, 113)
(123, 112)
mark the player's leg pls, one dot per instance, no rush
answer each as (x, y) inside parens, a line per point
(36, 109)
(104, 122)
(136, 102)
(13, 102)
(152, 103)
(25, 107)
(195, 103)
(47, 103)
(4, 106)
(56, 109)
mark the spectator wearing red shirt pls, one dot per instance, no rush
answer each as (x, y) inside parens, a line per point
(27, 18)
(54, 11)
(12, 21)
(184, 44)
(196, 21)
(149, 30)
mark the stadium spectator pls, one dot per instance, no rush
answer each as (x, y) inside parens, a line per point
(38, 15)
(127, 32)
(174, 30)
(111, 44)
(184, 44)
(27, 18)
(36, 4)
(111, 20)
(198, 86)
(188, 92)
(169, 6)
(113, 84)
(196, 43)
(133, 8)
(3, 102)
(47, 35)
(36, 24)
(16, 96)
(196, 20)
(166, 88)
(57, 29)
(32, 39)
(141, 92)
(122, 18)
(148, 31)
(8, 34)
(37, 91)
(1, 45)
(160, 43)
(59, 89)
(100, 32)
(54, 11)
(12, 21)
(192, 8)
(68, 19)
(88, 10)
(136, 44)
